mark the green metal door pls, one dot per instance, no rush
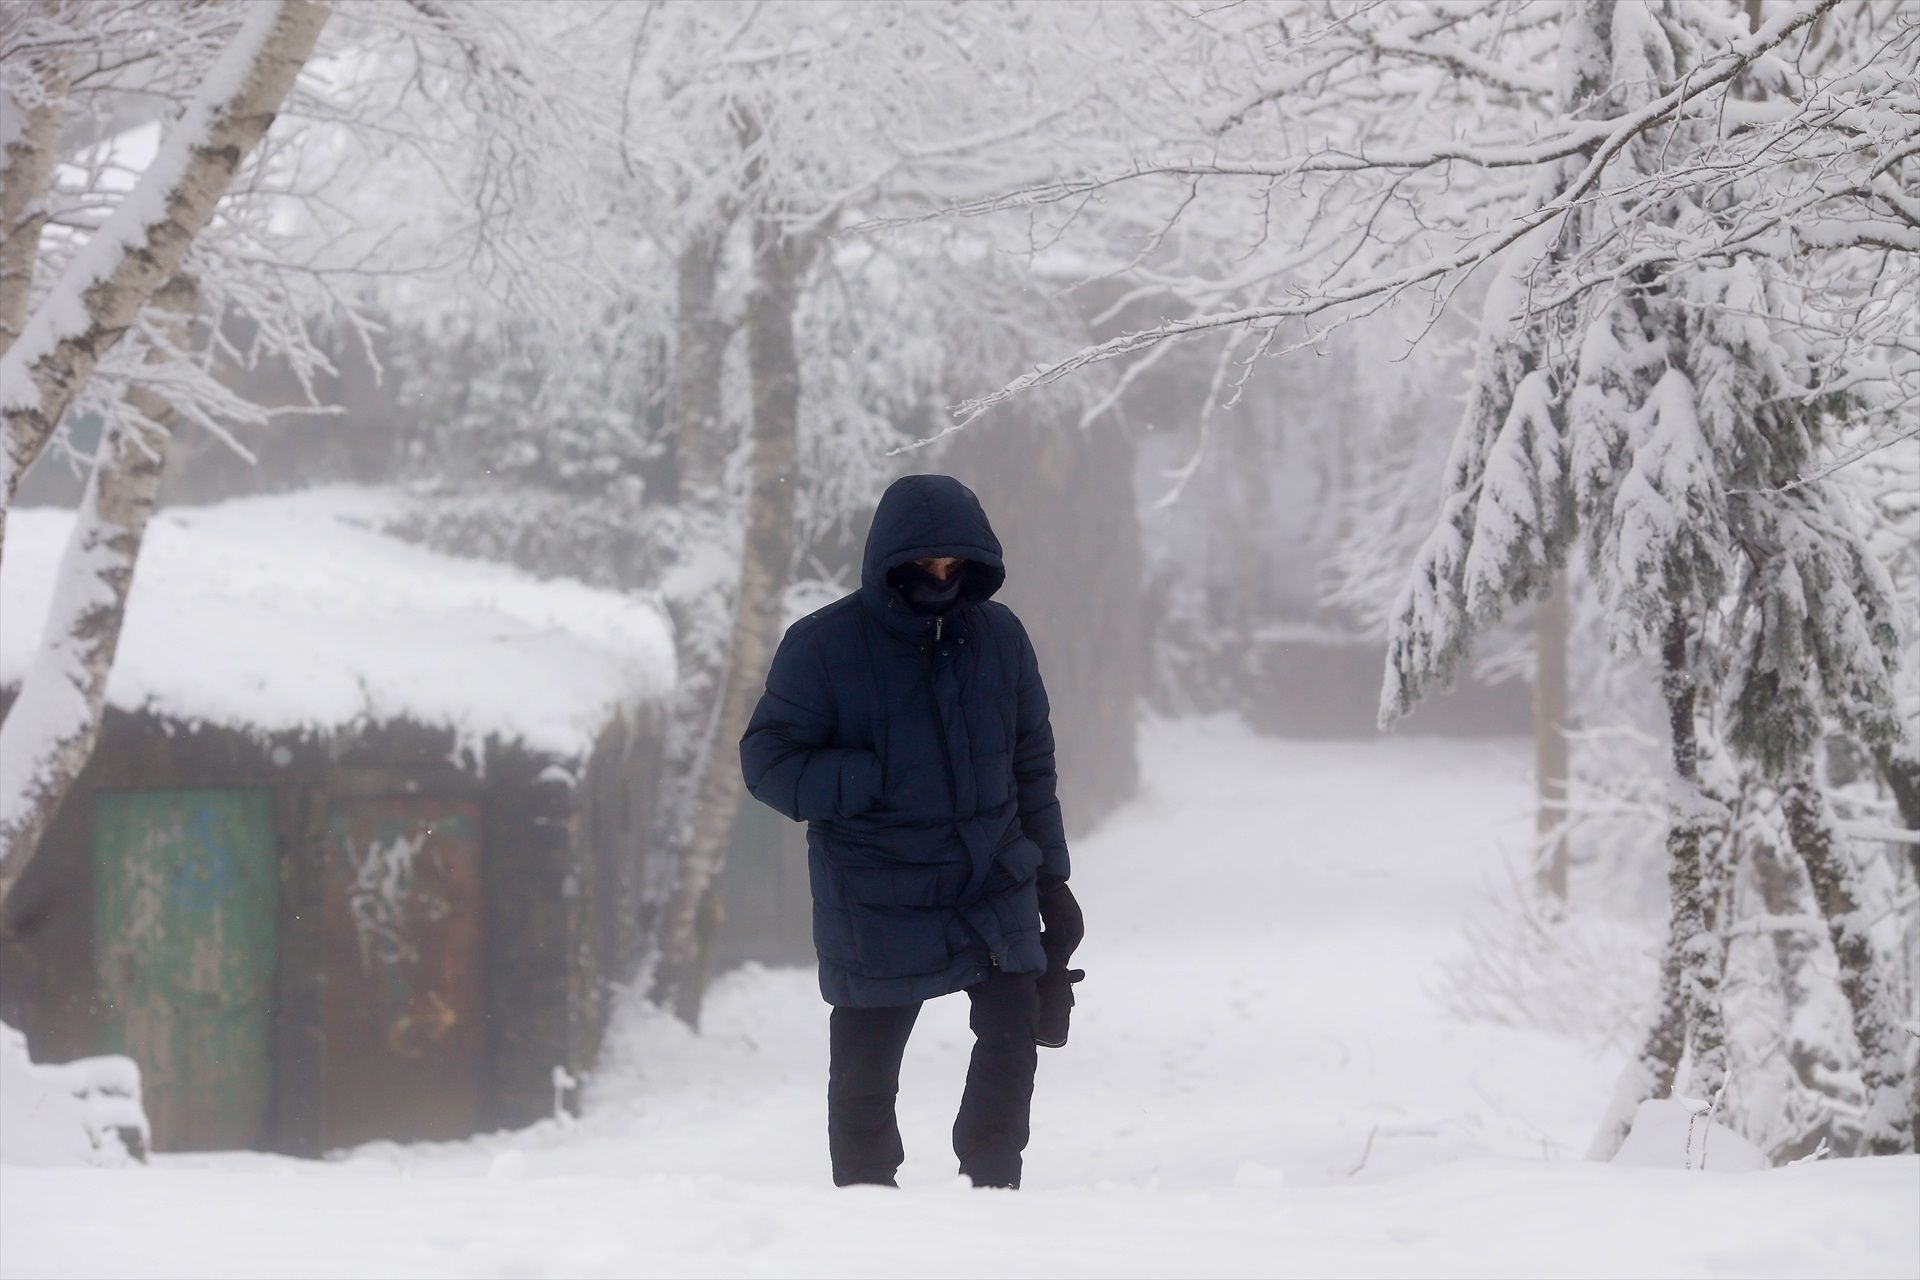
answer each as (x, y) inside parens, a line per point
(185, 890)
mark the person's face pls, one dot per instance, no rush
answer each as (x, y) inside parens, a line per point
(941, 567)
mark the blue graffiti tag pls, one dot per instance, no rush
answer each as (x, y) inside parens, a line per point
(205, 875)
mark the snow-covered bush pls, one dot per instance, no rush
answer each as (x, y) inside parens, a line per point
(1682, 1133)
(1528, 961)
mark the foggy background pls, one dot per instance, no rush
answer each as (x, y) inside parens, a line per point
(540, 362)
(1164, 568)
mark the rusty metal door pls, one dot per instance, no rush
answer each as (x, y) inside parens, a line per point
(404, 1002)
(185, 889)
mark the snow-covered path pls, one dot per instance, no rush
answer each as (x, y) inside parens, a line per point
(1260, 1082)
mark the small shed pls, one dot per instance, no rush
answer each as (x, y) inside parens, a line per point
(359, 852)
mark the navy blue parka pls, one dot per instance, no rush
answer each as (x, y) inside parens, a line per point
(919, 753)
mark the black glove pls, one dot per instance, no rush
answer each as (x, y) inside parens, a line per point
(1064, 927)
(1055, 990)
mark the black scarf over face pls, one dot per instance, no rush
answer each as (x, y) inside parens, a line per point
(925, 594)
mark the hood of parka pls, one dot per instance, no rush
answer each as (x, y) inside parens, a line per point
(921, 517)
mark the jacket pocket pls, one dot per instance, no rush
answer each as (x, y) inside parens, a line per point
(905, 884)
(900, 942)
(898, 916)
(861, 783)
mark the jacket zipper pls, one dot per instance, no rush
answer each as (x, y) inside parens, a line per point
(939, 626)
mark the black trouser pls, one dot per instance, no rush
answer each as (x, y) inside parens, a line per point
(863, 1079)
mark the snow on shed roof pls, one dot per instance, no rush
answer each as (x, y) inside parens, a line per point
(296, 612)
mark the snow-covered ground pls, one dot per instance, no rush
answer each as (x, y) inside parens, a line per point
(1260, 1082)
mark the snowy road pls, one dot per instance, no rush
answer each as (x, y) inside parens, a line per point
(1260, 1082)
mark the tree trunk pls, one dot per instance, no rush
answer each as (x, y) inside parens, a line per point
(1889, 1126)
(1550, 720)
(146, 239)
(50, 730)
(26, 176)
(1689, 814)
(698, 592)
(1780, 879)
(1901, 772)
(699, 359)
(1689, 1013)
(1651, 1072)
(693, 915)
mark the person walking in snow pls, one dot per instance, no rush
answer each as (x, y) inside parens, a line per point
(907, 726)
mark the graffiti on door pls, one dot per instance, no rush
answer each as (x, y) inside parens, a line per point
(382, 895)
(403, 1008)
(414, 1032)
(186, 887)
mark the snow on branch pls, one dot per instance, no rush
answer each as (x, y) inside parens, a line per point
(1599, 141)
(146, 240)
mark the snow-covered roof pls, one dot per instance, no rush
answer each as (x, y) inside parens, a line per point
(295, 612)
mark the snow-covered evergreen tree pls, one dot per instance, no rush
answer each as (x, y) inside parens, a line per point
(1671, 416)
(1696, 224)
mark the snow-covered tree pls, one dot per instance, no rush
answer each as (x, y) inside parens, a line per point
(98, 296)
(755, 362)
(834, 117)
(1695, 408)
(207, 168)
(1696, 222)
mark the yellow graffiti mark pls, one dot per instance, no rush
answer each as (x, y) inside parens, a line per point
(434, 1022)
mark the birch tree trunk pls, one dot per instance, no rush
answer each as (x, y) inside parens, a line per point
(50, 730)
(147, 237)
(26, 176)
(1890, 1124)
(692, 914)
